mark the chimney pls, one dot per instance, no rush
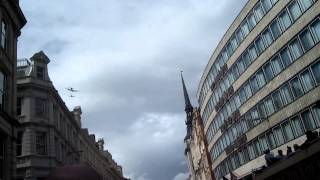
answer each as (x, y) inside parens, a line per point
(100, 144)
(77, 114)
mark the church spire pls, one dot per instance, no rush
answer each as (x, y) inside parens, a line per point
(188, 106)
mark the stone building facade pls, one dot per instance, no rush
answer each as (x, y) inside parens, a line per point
(260, 88)
(196, 144)
(11, 22)
(50, 135)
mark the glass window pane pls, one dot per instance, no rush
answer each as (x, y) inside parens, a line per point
(248, 90)
(316, 71)
(260, 78)
(268, 72)
(263, 143)
(297, 126)
(296, 49)
(251, 21)
(278, 135)
(307, 80)
(240, 66)
(258, 12)
(253, 52)
(262, 110)
(251, 151)
(306, 40)
(271, 140)
(267, 37)
(246, 59)
(307, 120)
(242, 95)
(305, 4)
(277, 65)
(275, 29)
(257, 147)
(287, 131)
(269, 106)
(253, 84)
(286, 94)
(296, 87)
(266, 5)
(239, 35)
(245, 28)
(260, 45)
(284, 20)
(316, 115)
(286, 57)
(276, 96)
(315, 28)
(294, 10)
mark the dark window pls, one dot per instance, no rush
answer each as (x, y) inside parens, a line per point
(278, 135)
(2, 90)
(269, 106)
(4, 35)
(305, 4)
(267, 68)
(253, 84)
(297, 126)
(277, 65)
(19, 105)
(306, 40)
(251, 21)
(267, 37)
(294, 10)
(40, 72)
(308, 120)
(296, 87)
(296, 49)
(287, 131)
(286, 57)
(286, 94)
(316, 71)
(41, 143)
(285, 20)
(307, 80)
(262, 110)
(275, 29)
(260, 45)
(276, 96)
(266, 5)
(260, 78)
(315, 28)
(40, 107)
(19, 143)
(271, 140)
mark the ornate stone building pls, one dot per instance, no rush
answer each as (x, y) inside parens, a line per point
(50, 135)
(11, 21)
(196, 145)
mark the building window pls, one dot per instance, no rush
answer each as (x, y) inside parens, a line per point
(19, 105)
(269, 106)
(296, 87)
(267, 68)
(307, 120)
(307, 80)
(276, 96)
(306, 40)
(305, 4)
(2, 163)
(40, 72)
(271, 140)
(260, 78)
(266, 5)
(2, 90)
(286, 94)
(278, 135)
(316, 71)
(315, 28)
(267, 37)
(41, 143)
(297, 126)
(287, 131)
(19, 143)
(286, 57)
(4, 35)
(275, 29)
(296, 49)
(277, 65)
(40, 107)
(285, 20)
(294, 10)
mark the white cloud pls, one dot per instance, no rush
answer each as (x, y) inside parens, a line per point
(181, 176)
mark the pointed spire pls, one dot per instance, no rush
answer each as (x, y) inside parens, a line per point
(188, 105)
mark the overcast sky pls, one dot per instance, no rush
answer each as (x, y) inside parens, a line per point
(125, 57)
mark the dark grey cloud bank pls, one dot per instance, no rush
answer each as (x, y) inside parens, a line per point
(125, 57)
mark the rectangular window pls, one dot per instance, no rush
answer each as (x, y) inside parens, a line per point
(245, 28)
(307, 80)
(40, 107)
(41, 143)
(2, 90)
(260, 78)
(239, 35)
(316, 72)
(286, 57)
(296, 87)
(248, 90)
(308, 120)
(306, 40)
(234, 43)
(266, 5)
(262, 110)
(260, 45)
(271, 140)
(297, 126)
(277, 65)
(263, 143)
(316, 115)
(19, 143)
(257, 147)
(276, 96)
(246, 59)
(258, 12)
(267, 37)
(253, 84)
(242, 95)
(19, 105)
(275, 29)
(267, 68)
(269, 106)
(251, 21)
(40, 72)
(284, 20)
(251, 151)
(296, 49)
(294, 10)
(4, 35)
(287, 131)
(315, 28)
(240, 65)
(278, 135)
(253, 52)
(305, 4)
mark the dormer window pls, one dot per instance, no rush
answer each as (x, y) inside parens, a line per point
(3, 35)
(40, 74)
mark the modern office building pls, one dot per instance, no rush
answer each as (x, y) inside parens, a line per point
(50, 135)
(260, 87)
(12, 20)
(196, 150)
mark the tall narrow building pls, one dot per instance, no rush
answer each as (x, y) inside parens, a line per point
(11, 22)
(196, 145)
(260, 88)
